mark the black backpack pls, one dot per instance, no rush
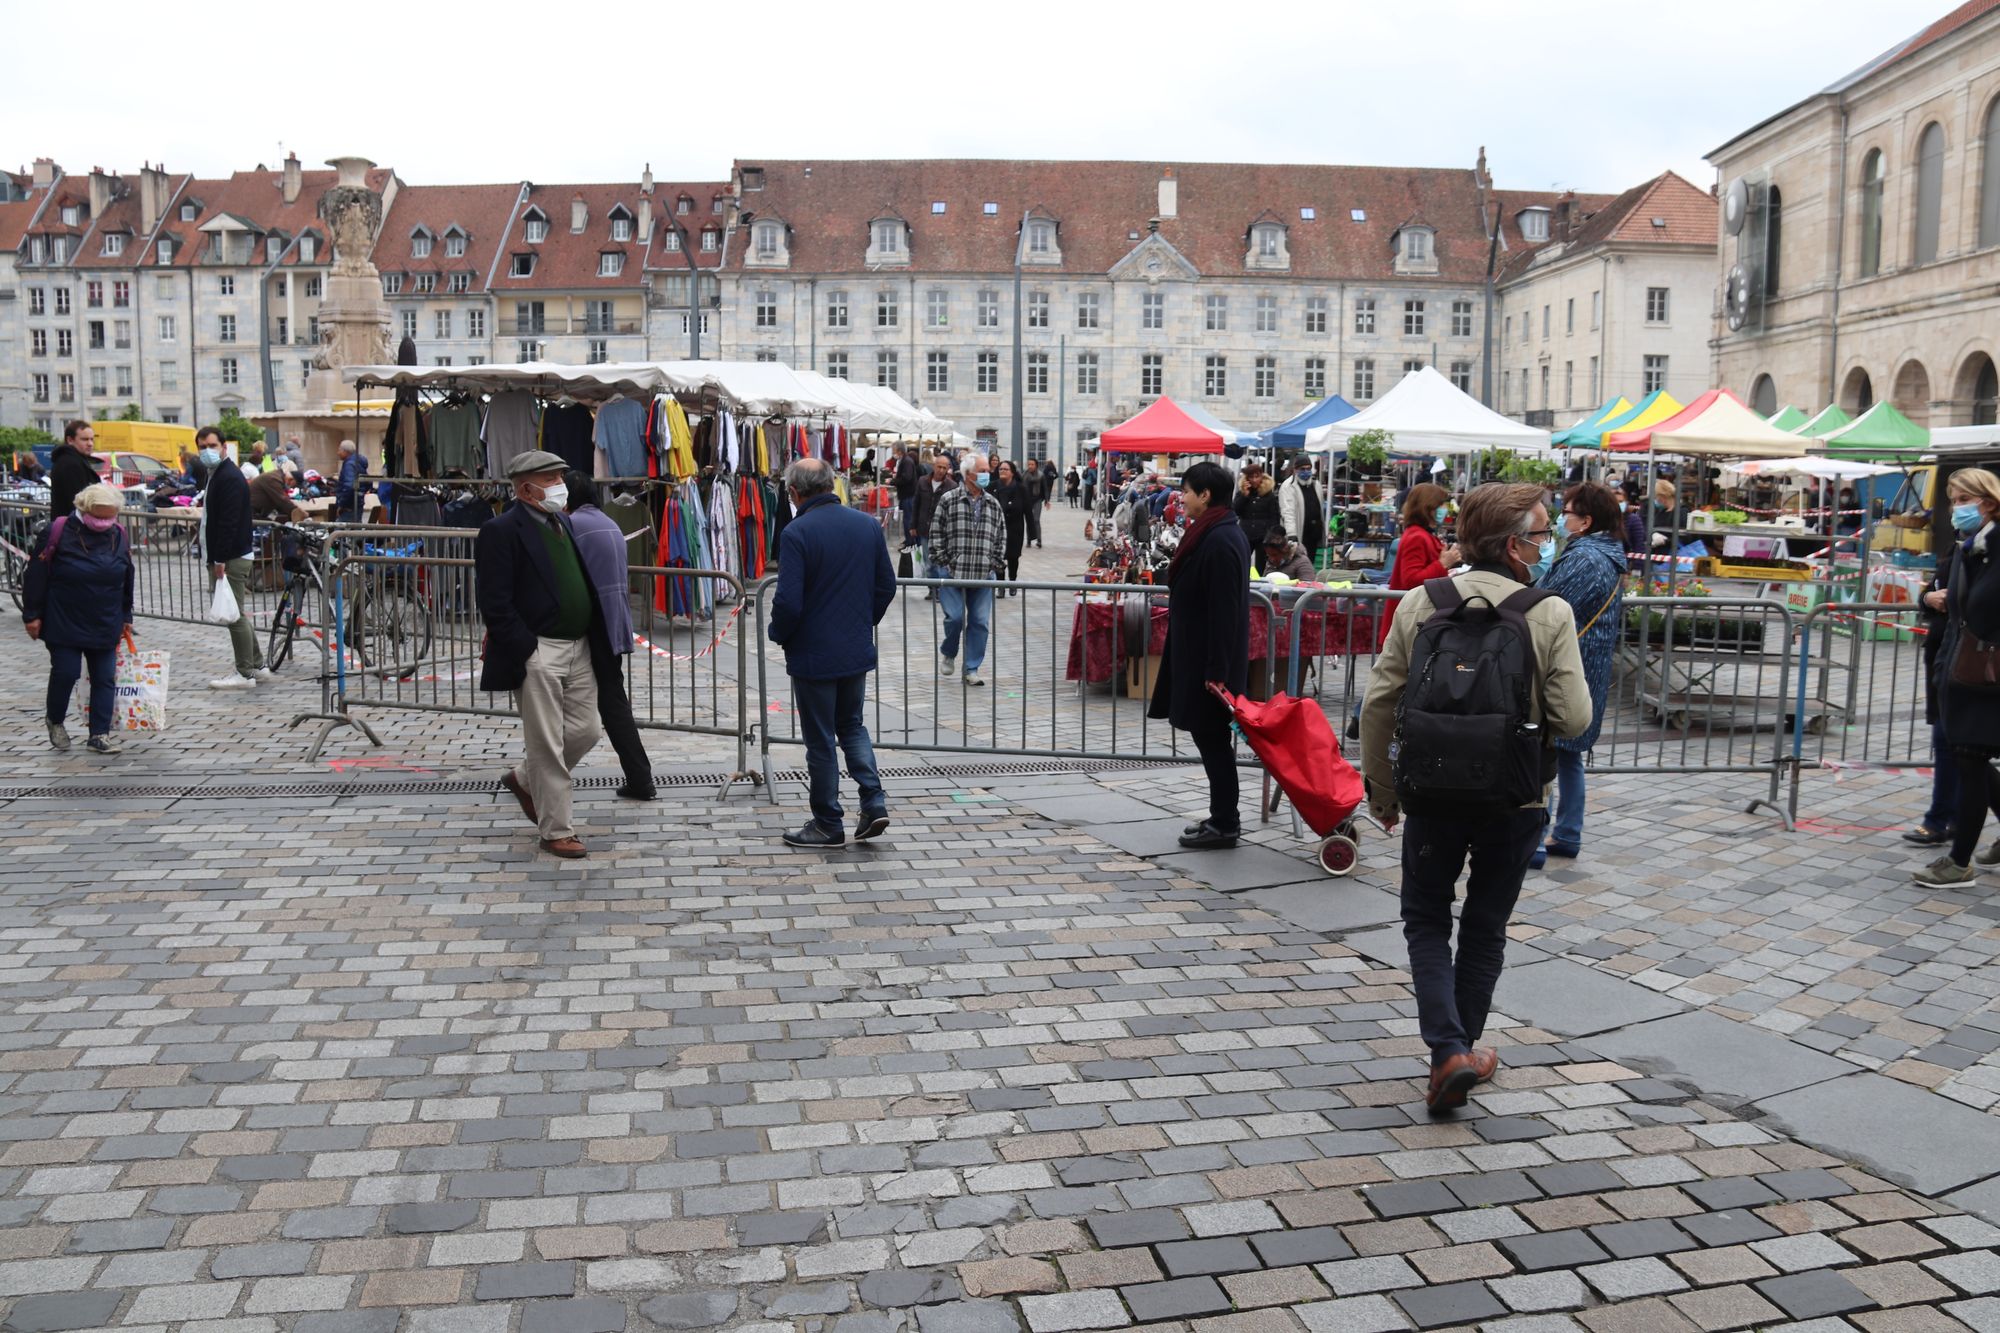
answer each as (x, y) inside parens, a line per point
(1464, 734)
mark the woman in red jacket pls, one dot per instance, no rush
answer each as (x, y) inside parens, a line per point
(1420, 552)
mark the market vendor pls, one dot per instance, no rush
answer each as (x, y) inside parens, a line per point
(1282, 555)
(1666, 514)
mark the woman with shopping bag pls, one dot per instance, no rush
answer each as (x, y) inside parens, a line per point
(77, 599)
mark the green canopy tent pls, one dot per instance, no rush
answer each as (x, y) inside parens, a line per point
(1829, 420)
(1788, 418)
(1880, 429)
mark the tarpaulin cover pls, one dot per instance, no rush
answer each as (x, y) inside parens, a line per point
(1788, 418)
(1588, 427)
(1655, 406)
(1880, 427)
(1161, 429)
(1716, 424)
(1295, 742)
(1292, 434)
(1830, 419)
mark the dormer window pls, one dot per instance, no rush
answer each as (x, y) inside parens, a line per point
(610, 264)
(1041, 238)
(114, 243)
(1267, 242)
(536, 229)
(420, 244)
(523, 266)
(990, 209)
(715, 204)
(1267, 245)
(621, 224)
(1534, 224)
(308, 248)
(274, 246)
(1417, 245)
(889, 238)
(454, 243)
(673, 242)
(767, 243)
(166, 250)
(711, 240)
(684, 205)
(392, 284)
(71, 215)
(189, 212)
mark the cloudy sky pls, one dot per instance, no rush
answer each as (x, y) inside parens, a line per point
(1591, 94)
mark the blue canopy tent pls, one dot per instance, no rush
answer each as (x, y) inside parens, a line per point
(1292, 434)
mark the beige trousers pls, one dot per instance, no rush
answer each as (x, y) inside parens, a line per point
(559, 723)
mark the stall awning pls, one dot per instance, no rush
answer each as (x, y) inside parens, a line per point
(1829, 420)
(1292, 434)
(1715, 425)
(1163, 428)
(1655, 407)
(1586, 430)
(1788, 418)
(1821, 469)
(1427, 414)
(1881, 427)
(1201, 416)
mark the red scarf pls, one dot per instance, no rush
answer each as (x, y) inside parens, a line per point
(1190, 539)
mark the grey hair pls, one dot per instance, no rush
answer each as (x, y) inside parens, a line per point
(809, 477)
(348, 447)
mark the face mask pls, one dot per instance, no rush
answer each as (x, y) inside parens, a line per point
(210, 457)
(1441, 513)
(96, 524)
(1965, 517)
(1621, 506)
(1545, 555)
(985, 480)
(554, 498)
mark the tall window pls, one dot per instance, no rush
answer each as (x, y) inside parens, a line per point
(1267, 314)
(1545, 388)
(836, 365)
(1461, 376)
(1041, 238)
(225, 328)
(536, 230)
(1413, 319)
(937, 308)
(1153, 306)
(1569, 383)
(1545, 323)
(1930, 192)
(885, 308)
(420, 246)
(1086, 374)
(1656, 305)
(38, 342)
(475, 325)
(937, 372)
(1364, 315)
(889, 237)
(1596, 308)
(1461, 319)
(454, 244)
(1316, 309)
(1216, 313)
(228, 365)
(1152, 374)
(989, 308)
(1569, 315)
(1038, 310)
(1264, 377)
(989, 372)
(1654, 375)
(1989, 177)
(1871, 213)
(1215, 377)
(1774, 231)
(121, 294)
(93, 294)
(1364, 379)
(1038, 373)
(409, 325)
(442, 324)
(885, 369)
(597, 351)
(37, 301)
(767, 309)
(1086, 310)
(836, 310)
(1315, 377)
(1038, 442)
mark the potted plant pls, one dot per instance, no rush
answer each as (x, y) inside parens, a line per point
(1368, 451)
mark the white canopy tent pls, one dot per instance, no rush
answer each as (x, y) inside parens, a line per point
(1821, 469)
(1428, 415)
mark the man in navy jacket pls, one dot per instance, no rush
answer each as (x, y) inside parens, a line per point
(226, 537)
(835, 584)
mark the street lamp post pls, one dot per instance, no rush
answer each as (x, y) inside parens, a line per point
(1020, 244)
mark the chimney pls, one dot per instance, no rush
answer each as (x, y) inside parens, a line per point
(149, 198)
(646, 180)
(646, 215)
(292, 178)
(46, 172)
(579, 214)
(1565, 207)
(1170, 194)
(1479, 171)
(100, 192)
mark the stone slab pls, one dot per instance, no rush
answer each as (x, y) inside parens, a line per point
(1334, 906)
(1572, 1000)
(1906, 1134)
(1731, 1061)
(1152, 837)
(1101, 808)
(1233, 869)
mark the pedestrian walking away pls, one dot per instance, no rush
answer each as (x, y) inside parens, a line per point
(1496, 670)
(904, 473)
(1590, 576)
(968, 541)
(76, 598)
(1208, 642)
(543, 628)
(835, 584)
(601, 544)
(226, 532)
(1967, 673)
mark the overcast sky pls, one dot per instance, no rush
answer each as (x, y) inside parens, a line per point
(1591, 95)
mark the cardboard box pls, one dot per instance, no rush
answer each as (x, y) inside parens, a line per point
(1140, 675)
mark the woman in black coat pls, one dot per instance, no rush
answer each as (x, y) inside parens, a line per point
(1015, 501)
(76, 597)
(1208, 639)
(1971, 716)
(1257, 506)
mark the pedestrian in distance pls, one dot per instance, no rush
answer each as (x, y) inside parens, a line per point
(1257, 504)
(1302, 509)
(1017, 506)
(350, 493)
(601, 544)
(1072, 485)
(1208, 643)
(1478, 670)
(72, 466)
(904, 474)
(929, 491)
(968, 542)
(1590, 576)
(1031, 487)
(226, 541)
(544, 630)
(1967, 661)
(1090, 486)
(76, 598)
(835, 584)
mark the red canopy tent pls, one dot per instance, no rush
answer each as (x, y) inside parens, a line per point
(1161, 429)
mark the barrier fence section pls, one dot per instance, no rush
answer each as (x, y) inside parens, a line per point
(1862, 687)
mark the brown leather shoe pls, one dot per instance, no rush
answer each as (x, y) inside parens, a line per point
(1450, 1082)
(513, 784)
(1485, 1062)
(572, 849)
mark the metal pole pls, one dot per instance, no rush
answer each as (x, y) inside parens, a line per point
(1020, 244)
(1062, 399)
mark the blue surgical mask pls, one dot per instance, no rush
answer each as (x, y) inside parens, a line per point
(1545, 555)
(210, 457)
(1621, 506)
(985, 480)
(1441, 513)
(1965, 518)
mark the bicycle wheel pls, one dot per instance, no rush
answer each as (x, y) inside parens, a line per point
(284, 628)
(393, 629)
(14, 571)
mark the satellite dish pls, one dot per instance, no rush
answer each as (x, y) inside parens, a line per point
(1735, 206)
(1736, 297)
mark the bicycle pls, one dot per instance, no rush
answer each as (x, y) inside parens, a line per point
(387, 629)
(302, 577)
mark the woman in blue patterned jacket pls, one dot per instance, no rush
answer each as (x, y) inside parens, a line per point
(1590, 576)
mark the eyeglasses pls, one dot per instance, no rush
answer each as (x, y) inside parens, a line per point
(1538, 532)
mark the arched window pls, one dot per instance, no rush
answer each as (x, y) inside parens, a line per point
(1764, 396)
(1989, 177)
(1871, 213)
(1930, 192)
(1857, 395)
(1773, 234)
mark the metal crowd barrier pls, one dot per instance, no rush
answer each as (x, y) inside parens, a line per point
(1860, 690)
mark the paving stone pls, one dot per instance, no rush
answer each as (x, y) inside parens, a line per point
(1458, 1303)
(1632, 1240)
(1073, 1310)
(1731, 1228)
(898, 1287)
(757, 1229)
(968, 1317)
(1576, 1178)
(1893, 1129)
(1811, 1183)
(583, 1315)
(1567, 998)
(801, 1299)
(1976, 1273)
(1731, 1060)
(1628, 1278)
(1310, 1245)
(418, 1219)
(1796, 1254)
(1411, 1199)
(1533, 1292)
(145, 1233)
(525, 1281)
(54, 1312)
(1295, 1285)
(1197, 1258)
(1148, 1226)
(1552, 1249)
(1354, 1314)
(1006, 1277)
(1353, 1277)
(1183, 1298)
(261, 1261)
(1725, 1307)
(1109, 1268)
(690, 1309)
(1729, 1192)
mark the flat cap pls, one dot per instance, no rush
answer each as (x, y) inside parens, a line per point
(537, 460)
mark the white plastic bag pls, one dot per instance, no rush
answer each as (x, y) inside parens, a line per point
(222, 608)
(142, 688)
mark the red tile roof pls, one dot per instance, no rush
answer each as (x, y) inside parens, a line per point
(1103, 209)
(1947, 25)
(480, 211)
(1687, 210)
(258, 198)
(14, 220)
(568, 261)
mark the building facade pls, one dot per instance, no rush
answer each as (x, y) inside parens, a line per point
(1860, 236)
(1613, 297)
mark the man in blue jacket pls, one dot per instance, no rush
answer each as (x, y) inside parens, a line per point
(226, 538)
(835, 584)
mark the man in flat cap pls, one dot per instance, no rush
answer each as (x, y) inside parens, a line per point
(543, 623)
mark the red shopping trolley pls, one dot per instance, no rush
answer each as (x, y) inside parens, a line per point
(1296, 744)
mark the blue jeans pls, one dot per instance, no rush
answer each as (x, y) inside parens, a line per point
(909, 507)
(1943, 813)
(1568, 831)
(830, 715)
(970, 609)
(66, 667)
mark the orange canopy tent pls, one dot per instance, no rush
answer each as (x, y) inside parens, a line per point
(1161, 429)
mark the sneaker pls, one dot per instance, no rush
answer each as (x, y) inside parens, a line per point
(947, 667)
(974, 679)
(1944, 873)
(812, 835)
(872, 826)
(106, 744)
(263, 675)
(59, 735)
(232, 681)
(1923, 835)
(1990, 856)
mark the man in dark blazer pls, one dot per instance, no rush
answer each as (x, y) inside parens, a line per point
(543, 623)
(834, 586)
(226, 530)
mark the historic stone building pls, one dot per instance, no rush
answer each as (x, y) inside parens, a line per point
(1860, 235)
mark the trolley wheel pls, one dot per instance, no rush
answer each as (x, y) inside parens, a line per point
(1337, 854)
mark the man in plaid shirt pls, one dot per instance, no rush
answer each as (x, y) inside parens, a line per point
(968, 540)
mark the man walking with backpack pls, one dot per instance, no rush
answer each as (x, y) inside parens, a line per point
(1479, 674)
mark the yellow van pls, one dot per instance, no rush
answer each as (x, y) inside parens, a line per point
(152, 439)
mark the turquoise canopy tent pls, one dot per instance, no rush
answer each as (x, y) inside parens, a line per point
(1591, 434)
(1292, 434)
(1614, 407)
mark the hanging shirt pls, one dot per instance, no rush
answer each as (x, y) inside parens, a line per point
(621, 433)
(455, 438)
(513, 425)
(566, 431)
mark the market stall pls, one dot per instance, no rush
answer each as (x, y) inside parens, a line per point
(1427, 414)
(1788, 418)
(1586, 431)
(1655, 407)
